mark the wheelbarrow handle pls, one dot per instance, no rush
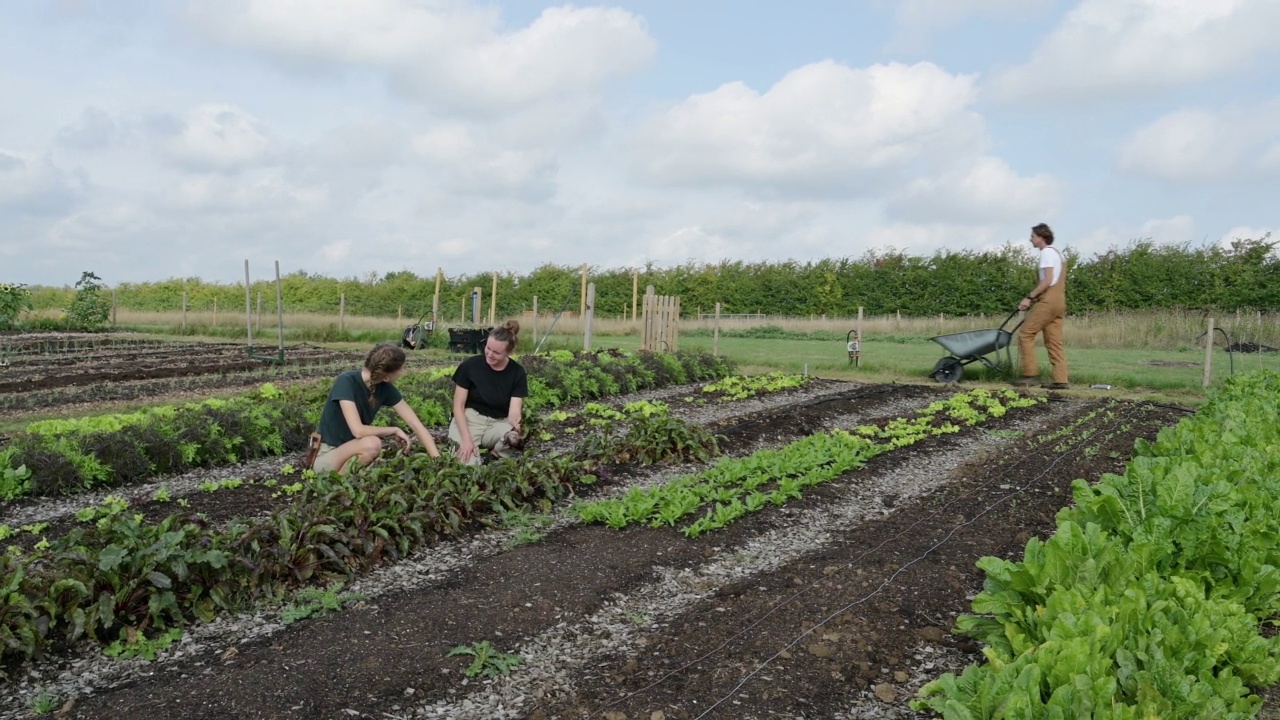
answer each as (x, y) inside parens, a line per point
(1006, 321)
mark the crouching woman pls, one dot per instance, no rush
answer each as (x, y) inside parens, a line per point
(345, 428)
(488, 401)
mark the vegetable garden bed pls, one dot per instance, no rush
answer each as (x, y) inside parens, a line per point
(625, 623)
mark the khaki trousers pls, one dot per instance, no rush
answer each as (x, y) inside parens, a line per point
(1045, 316)
(486, 432)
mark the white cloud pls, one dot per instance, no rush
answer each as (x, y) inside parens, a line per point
(1198, 144)
(824, 129)
(36, 186)
(1243, 232)
(447, 54)
(95, 129)
(472, 166)
(267, 193)
(213, 137)
(915, 20)
(987, 191)
(1111, 47)
(1171, 230)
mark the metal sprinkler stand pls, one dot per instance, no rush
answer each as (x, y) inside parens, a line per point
(854, 347)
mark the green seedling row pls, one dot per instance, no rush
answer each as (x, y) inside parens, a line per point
(735, 487)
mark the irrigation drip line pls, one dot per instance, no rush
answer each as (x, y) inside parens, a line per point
(799, 593)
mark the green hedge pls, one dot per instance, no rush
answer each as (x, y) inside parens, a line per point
(70, 456)
(1142, 276)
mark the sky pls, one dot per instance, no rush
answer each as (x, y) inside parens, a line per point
(153, 139)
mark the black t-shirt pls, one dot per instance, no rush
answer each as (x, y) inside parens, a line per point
(489, 391)
(350, 386)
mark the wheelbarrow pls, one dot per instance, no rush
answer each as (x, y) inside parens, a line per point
(974, 346)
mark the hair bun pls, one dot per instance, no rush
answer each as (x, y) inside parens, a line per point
(512, 326)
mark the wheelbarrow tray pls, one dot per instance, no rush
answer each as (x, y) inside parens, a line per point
(975, 343)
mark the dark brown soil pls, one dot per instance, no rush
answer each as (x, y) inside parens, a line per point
(808, 640)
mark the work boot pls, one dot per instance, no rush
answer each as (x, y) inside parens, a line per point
(1027, 381)
(1056, 386)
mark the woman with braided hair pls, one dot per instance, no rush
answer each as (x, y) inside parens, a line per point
(357, 395)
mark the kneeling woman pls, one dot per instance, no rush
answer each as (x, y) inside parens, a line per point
(489, 398)
(356, 397)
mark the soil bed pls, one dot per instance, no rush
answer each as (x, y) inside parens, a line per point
(839, 605)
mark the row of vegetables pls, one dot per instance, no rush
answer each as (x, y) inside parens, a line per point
(63, 457)
(120, 581)
(1157, 594)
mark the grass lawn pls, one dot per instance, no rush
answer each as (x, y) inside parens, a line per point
(1157, 374)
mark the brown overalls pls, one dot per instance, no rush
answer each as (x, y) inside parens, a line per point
(1046, 314)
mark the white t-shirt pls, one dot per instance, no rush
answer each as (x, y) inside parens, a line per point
(1051, 260)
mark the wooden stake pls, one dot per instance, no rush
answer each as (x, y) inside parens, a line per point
(715, 336)
(435, 299)
(493, 300)
(1208, 355)
(535, 321)
(635, 285)
(583, 295)
(591, 311)
(248, 307)
(342, 313)
(184, 311)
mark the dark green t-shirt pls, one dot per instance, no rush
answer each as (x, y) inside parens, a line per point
(350, 385)
(489, 392)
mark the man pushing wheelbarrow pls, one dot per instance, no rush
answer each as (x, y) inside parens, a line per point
(1047, 306)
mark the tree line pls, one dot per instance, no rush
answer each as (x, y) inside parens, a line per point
(1141, 276)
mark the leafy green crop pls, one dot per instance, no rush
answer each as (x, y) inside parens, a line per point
(1149, 598)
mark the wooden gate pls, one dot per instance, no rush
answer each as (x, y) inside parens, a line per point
(660, 322)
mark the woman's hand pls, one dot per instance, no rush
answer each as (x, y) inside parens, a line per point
(402, 440)
(466, 451)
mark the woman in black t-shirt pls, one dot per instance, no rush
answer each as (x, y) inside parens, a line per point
(357, 395)
(489, 398)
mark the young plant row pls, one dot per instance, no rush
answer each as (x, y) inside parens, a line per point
(119, 579)
(70, 456)
(741, 387)
(735, 487)
(1149, 599)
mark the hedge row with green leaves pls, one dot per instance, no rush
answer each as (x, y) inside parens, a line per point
(70, 456)
(1150, 599)
(1142, 276)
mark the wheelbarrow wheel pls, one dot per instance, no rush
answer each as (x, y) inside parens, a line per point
(948, 370)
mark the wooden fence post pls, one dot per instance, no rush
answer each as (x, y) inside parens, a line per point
(535, 321)
(184, 311)
(715, 336)
(582, 310)
(342, 312)
(493, 300)
(1208, 355)
(591, 311)
(215, 312)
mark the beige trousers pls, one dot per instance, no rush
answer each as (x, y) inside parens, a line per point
(486, 432)
(1046, 316)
